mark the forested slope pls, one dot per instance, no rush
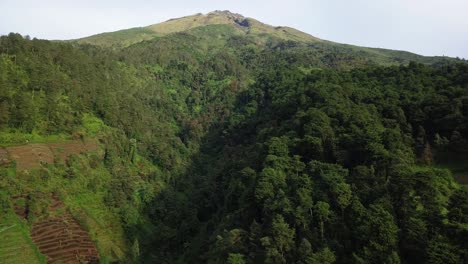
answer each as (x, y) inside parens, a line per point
(320, 167)
(214, 147)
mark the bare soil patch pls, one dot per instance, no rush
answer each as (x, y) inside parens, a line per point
(32, 156)
(37, 155)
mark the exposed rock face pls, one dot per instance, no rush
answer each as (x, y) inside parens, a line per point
(227, 13)
(243, 23)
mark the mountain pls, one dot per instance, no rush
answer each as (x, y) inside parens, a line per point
(241, 26)
(218, 139)
(225, 25)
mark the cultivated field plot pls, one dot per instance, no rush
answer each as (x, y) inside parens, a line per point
(32, 156)
(58, 236)
(65, 149)
(62, 240)
(37, 155)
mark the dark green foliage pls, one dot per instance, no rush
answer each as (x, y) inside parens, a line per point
(339, 171)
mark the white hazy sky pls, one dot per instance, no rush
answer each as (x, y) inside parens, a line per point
(427, 27)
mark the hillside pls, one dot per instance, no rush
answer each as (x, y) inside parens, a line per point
(206, 140)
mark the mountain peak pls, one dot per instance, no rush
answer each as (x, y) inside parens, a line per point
(226, 13)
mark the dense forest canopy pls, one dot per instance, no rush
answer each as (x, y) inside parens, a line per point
(217, 147)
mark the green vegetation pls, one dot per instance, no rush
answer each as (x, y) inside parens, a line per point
(121, 38)
(14, 238)
(217, 145)
(15, 137)
(320, 167)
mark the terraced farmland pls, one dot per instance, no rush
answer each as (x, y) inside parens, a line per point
(62, 240)
(57, 235)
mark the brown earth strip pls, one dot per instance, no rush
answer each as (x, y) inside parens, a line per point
(37, 155)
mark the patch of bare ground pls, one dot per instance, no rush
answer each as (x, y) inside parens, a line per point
(37, 155)
(32, 156)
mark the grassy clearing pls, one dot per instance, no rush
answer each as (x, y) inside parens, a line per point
(13, 138)
(16, 245)
(100, 222)
(91, 126)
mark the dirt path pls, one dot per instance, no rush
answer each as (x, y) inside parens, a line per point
(37, 155)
